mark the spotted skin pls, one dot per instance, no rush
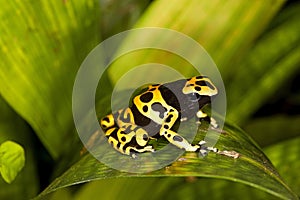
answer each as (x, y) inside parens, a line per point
(154, 113)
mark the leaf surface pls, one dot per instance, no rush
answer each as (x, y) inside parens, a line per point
(252, 167)
(41, 50)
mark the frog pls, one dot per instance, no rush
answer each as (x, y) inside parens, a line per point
(155, 111)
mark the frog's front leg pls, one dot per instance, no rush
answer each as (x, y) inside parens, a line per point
(203, 116)
(179, 141)
(173, 137)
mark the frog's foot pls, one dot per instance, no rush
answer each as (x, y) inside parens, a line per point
(204, 150)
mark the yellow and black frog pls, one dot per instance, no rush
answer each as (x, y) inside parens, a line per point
(154, 112)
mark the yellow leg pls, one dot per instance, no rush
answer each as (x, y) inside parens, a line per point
(177, 140)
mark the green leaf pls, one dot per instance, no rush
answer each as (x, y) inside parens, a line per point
(279, 128)
(286, 158)
(273, 61)
(42, 45)
(118, 16)
(252, 167)
(12, 160)
(168, 188)
(225, 30)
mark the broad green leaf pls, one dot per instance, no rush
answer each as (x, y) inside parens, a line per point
(65, 194)
(168, 188)
(273, 129)
(42, 45)
(12, 160)
(286, 158)
(252, 167)
(273, 61)
(117, 16)
(225, 29)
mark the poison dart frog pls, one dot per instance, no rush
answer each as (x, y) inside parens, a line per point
(154, 112)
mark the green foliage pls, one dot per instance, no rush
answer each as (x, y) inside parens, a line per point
(12, 160)
(255, 45)
(40, 44)
(251, 168)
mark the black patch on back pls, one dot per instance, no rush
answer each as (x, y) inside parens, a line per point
(171, 93)
(147, 97)
(139, 119)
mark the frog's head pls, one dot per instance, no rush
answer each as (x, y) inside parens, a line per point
(199, 89)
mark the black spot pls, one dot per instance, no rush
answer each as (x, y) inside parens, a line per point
(201, 83)
(147, 97)
(177, 138)
(169, 135)
(145, 137)
(123, 139)
(158, 107)
(106, 119)
(118, 145)
(103, 126)
(166, 126)
(154, 85)
(152, 89)
(145, 108)
(201, 77)
(197, 88)
(205, 83)
(166, 132)
(169, 118)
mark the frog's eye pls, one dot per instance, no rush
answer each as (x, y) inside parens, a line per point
(194, 97)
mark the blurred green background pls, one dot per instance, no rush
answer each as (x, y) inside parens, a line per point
(255, 45)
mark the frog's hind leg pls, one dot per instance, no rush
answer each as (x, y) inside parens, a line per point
(107, 122)
(129, 142)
